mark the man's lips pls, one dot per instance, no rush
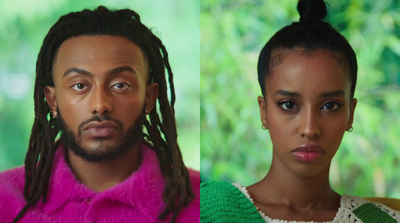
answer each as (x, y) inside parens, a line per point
(307, 153)
(102, 129)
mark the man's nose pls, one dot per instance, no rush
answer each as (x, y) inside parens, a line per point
(100, 102)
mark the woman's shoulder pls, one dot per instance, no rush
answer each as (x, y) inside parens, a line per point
(366, 210)
(216, 186)
(220, 192)
(221, 201)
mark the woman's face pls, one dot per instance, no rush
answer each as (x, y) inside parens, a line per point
(307, 108)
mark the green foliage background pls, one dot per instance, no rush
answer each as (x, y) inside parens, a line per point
(233, 145)
(23, 26)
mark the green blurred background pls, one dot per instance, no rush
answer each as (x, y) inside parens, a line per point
(23, 26)
(233, 145)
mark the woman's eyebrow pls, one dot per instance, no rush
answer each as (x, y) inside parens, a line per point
(332, 94)
(297, 95)
(287, 93)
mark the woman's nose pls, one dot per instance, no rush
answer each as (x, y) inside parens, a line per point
(310, 125)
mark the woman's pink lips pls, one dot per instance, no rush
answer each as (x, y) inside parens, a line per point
(102, 129)
(307, 153)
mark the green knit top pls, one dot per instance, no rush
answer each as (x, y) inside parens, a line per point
(220, 201)
(223, 202)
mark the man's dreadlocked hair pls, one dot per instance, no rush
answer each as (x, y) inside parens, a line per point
(161, 132)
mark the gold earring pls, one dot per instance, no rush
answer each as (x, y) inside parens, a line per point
(263, 127)
(55, 114)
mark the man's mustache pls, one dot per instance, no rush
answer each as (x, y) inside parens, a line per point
(100, 119)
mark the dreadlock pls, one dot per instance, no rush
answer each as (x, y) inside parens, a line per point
(160, 132)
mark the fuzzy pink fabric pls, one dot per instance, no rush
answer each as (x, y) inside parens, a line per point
(137, 199)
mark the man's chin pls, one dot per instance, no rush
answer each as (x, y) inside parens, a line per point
(101, 150)
(99, 146)
(97, 151)
(99, 154)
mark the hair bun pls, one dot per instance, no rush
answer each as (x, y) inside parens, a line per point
(311, 10)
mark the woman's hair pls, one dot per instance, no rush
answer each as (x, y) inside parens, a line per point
(309, 34)
(161, 131)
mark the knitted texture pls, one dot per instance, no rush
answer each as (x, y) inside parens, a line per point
(225, 202)
(370, 213)
(222, 202)
(137, 199)
(353, 210)
(392, 203)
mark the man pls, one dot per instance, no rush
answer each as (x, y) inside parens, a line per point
(99, 74)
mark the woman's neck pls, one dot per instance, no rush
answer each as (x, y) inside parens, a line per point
(284, 195)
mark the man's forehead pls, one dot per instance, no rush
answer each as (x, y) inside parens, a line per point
(99, 50)
(99, 43)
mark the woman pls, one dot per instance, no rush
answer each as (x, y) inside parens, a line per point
(307, 73)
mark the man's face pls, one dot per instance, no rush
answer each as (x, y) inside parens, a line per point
(100, 91)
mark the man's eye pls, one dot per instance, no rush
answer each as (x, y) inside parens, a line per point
(287, 105)
(331, 106)
(121, 86)
(79, 86)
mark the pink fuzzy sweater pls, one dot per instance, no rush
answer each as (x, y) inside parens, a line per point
(137, 199)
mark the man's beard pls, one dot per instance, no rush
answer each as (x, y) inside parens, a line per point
(133, 135)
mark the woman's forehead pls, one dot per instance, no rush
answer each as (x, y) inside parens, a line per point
(317, 71)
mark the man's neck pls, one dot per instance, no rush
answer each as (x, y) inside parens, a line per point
(104, 175)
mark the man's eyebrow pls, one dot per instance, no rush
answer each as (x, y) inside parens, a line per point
(287, 93)
(332, 94)
(121, 69)
(77, 70)
(87, 73)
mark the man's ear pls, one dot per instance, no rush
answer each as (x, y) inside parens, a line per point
(263, 111)
(50, 94)
(353, 104)
(151, 97)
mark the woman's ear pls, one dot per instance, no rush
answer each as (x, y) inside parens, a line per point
(50, 94)
(353, 104)
(263, 111)
(151, 97)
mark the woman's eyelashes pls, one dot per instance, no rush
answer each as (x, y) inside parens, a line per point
(332, 106)
(289, 105)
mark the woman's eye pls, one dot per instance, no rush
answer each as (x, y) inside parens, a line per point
(288, 105)
(79, 86)
(331, 106)
(121, 86)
